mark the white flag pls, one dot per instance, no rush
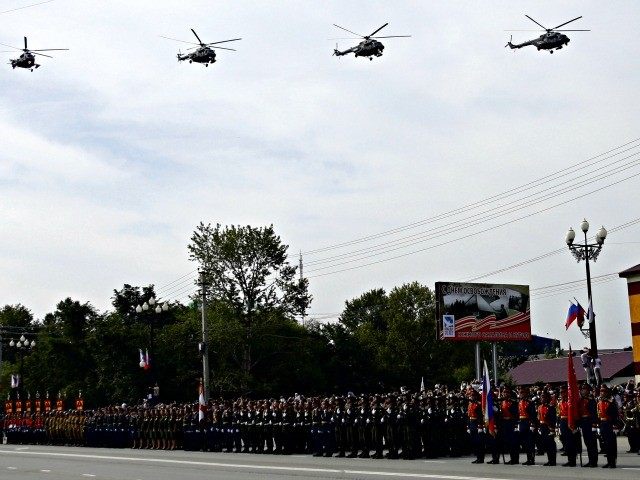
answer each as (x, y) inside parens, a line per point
(201, 404)
(143, 362)
(15, 381)
(590, 315)
(422, 384)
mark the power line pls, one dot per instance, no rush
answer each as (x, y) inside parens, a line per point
(463, 237)
(27, 6)
(161, 287)
(454, 226)
(544, 179)
(549, 254)
(572, 282)
(571, 288)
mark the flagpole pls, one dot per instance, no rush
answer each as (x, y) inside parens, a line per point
(478, 366)
(494, 355)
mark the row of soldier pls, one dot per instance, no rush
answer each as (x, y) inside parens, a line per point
(434, 423)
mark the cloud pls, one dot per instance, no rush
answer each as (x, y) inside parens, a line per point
(113, 152)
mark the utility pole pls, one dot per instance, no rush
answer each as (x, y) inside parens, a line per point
(205, 340)
(300, 268)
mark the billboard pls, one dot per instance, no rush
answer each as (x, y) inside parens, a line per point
(482, 312)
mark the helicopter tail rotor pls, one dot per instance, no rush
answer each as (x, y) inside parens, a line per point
(509, 43)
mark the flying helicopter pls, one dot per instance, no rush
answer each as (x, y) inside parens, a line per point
(369, 47)
(547, 41)
(28, 59)
(203, 52)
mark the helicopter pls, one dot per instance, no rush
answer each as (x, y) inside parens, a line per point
(550, 40)
(369, 47)
(28, 59)
(204, 52)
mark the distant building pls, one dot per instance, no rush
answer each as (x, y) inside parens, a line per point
(617, 368)
(536, 346)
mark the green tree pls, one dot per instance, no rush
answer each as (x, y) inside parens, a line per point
(247, 270)
(16, 316)
(389, 340)
(62, 361)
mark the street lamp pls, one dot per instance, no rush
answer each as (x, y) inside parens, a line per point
(588, 251)
(22, 346)
(160, 307)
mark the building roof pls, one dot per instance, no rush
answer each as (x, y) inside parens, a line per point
(630, 272)
(554, 370)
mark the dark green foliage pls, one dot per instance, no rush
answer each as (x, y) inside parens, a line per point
(257, 347)
(247, 274)
(16, 316)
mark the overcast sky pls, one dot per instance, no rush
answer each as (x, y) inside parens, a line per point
(113, 152)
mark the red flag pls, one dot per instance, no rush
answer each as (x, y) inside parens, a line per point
(574, 395)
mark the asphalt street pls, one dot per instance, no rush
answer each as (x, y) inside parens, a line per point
(67, 463)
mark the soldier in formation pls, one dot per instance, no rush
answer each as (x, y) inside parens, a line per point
(439, 422)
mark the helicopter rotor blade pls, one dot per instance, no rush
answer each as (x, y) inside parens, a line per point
(343, 38)
(194, 32)
(534, 21)
(41, 54)
(565, 23)
(176, 40)
(224, 41)
(49, 49)
(563, 30)
(5, 45)
(354, 33)
(371, 35)
(394, 36)
(225, 48)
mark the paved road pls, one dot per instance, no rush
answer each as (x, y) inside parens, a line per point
(68, 463)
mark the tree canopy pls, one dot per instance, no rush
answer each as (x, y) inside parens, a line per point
(257, 345)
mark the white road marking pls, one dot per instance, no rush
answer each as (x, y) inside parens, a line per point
(88, 475)
(45, 471)
(22, 448)
(11, 468)
(630, 468)
(253, 467)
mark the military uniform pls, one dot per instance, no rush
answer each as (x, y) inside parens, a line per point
(608, 421)
(546, 429)
(588, 422)
(476, 426)
(526, 426)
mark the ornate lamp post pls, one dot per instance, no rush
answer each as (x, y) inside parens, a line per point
(159, 308)
(22, 346)
(588, 251)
